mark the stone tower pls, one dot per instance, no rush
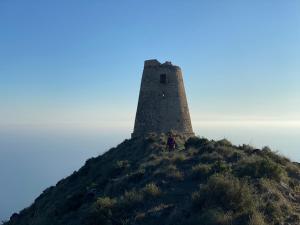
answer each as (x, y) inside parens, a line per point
(162, 105)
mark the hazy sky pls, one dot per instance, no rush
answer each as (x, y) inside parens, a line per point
(71, 61)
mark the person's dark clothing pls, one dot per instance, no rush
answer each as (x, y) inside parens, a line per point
(171, 143)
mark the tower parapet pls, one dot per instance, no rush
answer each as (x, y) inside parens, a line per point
(162, 105)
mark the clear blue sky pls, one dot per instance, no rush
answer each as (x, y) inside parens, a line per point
(71, 61)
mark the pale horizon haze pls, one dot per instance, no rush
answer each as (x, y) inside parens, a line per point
(70, 74)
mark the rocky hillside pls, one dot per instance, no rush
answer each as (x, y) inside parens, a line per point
(201, 182)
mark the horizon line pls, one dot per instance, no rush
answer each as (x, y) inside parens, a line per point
(113, 124)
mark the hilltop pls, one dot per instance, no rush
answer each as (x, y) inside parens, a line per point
(202, 182)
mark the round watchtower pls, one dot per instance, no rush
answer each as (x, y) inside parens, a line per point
(162, 105)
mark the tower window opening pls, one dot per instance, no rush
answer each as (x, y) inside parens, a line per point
(163, 78)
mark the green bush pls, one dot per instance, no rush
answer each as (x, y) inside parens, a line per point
(273, 211)
(173, 173)
(215, 217)
(179, 157)
(170, 172)
(226, 192)
(151, 190)
(201, 170)
(192, 151)
(132, 197)
(259, 168)
(211, 157)
(246, 148)
(256, 219)
(221, 167)
(74, 202)
(105, 203)
(293, 171)
(266, 151)
(224, 142)
(122, 164)
(196, 142)
(137, 176)
(236, 156)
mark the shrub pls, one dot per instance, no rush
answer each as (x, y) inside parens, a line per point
(122, 164)
(224, 142)
(105, 203)
(273, 211)
(293, 171)
(226, 192)
(258, 168)
(247, 148)
(169, 171)
(173, 173)
(74, 202)
(235, 156)
(210, 157)
(137, 196)
(192, 151)
(137, 176)
(140, 216)
(201, 170)
(132, 197)
(274, 156)
(152, 190)
(196, 142)
(226, 151)
(179, 157)
(215, 216)
(221, 167)
(256, 219)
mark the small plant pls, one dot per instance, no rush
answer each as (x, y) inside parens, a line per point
(140, 216)
(173, 173)
(196, 142)
(133, 196)
(152, 190)
(273, 210)
(256, 219)
(138, 175)
(169, 171)
(293, 171)
(221, 167)
(192, 151)
(122, 164)
(179, 157)
(105, 203)
(216, 216)
(211, 157)
(201, 170)
(235, 156)
(224, 142)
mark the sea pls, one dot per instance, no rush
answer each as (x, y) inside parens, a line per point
(33, 158)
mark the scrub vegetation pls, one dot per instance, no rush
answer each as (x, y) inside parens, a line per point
(201, 182)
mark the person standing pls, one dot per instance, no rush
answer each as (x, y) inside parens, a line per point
(171, 144)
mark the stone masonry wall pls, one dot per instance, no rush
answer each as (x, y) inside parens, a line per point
(162, 107)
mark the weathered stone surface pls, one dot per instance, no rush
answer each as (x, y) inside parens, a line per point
(162, 105)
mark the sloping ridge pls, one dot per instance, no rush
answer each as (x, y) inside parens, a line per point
(201, 182)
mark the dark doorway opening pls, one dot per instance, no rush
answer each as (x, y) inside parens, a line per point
(163, 78)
